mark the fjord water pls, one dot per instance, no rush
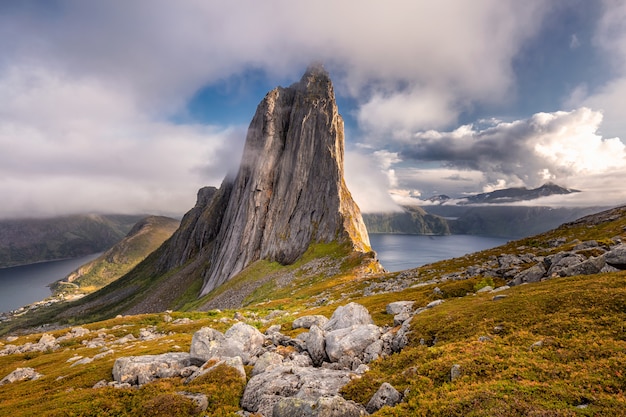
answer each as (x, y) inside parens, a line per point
(399, 252)
(22, 285)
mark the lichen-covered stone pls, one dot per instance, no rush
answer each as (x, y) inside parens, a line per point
(331, 406)
(386, 395)
(351, 314)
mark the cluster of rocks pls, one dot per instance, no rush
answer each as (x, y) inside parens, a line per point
(290, 376)
(49, 343)
(586, 258)
(46, 343)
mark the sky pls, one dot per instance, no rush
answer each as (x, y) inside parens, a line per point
(132, 106)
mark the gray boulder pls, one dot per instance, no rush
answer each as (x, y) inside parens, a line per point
(533, 274)
(266, 389)
(249, 337)
(351, 341)
(20, 374)
(240, 340)
(587, 267)
(386, 395)
(398, 319)
(351, 314)
(332, 406)
(455, 372)
(235, 362)
(508, 261)
(616, 257)
(586, 245)
(265, 361)
(139, 370)
(561, 261)
(305, 322)
(208, 343)
(316, 345)
(400, 339)
(434, 303)
(399, 307)
(200, 400)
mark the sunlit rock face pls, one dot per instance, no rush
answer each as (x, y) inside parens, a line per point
(289, 191)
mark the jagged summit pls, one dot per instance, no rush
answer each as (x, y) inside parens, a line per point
(289, 191)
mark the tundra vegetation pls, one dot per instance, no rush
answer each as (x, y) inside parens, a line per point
(555, 347)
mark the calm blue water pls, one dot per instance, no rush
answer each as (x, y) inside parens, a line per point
(22, 285)
(400, 252)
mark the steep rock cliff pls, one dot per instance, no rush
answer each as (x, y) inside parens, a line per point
(289, 191)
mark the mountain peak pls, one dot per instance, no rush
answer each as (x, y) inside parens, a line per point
(289, 191)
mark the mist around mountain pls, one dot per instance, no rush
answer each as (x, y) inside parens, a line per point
(26, 241)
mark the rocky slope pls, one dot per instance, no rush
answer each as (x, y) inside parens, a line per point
(24, 241)
(146, 236)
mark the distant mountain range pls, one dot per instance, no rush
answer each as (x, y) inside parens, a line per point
(26, 241)
(480, 214)
(512, 195)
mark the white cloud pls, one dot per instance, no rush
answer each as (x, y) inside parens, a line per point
(563, 147)
(558, 145)
(88, 88)
(75, 145)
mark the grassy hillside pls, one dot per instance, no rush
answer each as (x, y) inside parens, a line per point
(551, 348)
(24, 241)
(145, 237)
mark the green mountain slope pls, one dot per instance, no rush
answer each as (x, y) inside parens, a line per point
(24, 241)
(145, 237)
(412, 220)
